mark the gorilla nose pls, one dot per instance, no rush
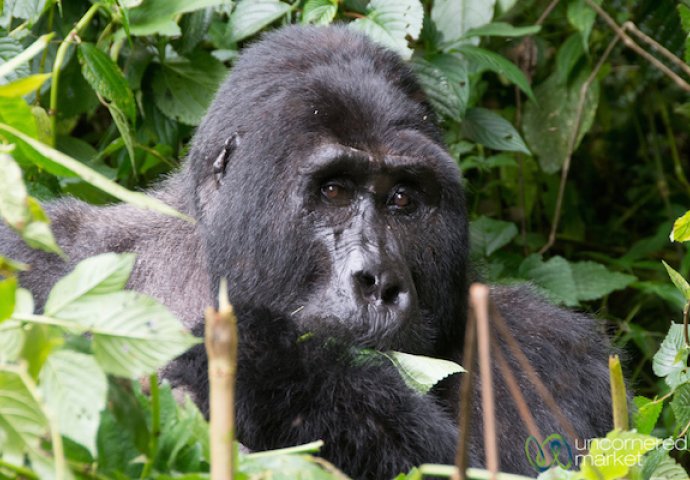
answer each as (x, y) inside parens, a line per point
(383, 289)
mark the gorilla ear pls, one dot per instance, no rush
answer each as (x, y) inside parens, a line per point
(220, 164)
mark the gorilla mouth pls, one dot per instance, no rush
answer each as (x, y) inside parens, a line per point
(372, 326)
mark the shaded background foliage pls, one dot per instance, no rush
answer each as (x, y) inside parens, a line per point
(504, 77)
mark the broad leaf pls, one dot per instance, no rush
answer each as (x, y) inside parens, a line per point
(22, 421)
(658, 465)
(103, 273)
(422, 373)
(133, 335)
(549, 124)
(390, 22)
(13, 196)
(569, 54)
(681, 228)
(183, 89)
(106, 78)
(445, 82)
(12, 339)
(605, 456)
(454, 18)
(74, 387)
(581, 16)
(491, 130)
(646, 414)
(681, 404)
(677, 279)
(488, 235)
(159, 16)
(250, 16)
(554, 276)
(594, 281)
(671, 361)
(481, 59)
(319, 12)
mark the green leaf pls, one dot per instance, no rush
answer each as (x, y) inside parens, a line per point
(55, 157)
(75, 387)
(501, 29)
(555, 276)
(250, 16)
(681, 405)
(159, 16)
(24, 86)
(594, 280)
(284, 467)
(19, 59)
(125, 132)
(319, 12)
(183, 89)
(106, 78)
(680, 283)
(133, 335)
(491, 130)
(38, 235)
(671, 361)
(22, 421)
(658, 465)
(646, 414)
(444, 79)
(569, 54)
(604, 460)
(12, 339)
(488, 235)
(422, 373)
(681, 228)
(391, 22)
(548, 125)
(13, 196)
(455, 18)
(486, 60)
(8, 291)
(582, 17)
(103, 273)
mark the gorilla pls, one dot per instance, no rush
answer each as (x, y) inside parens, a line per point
(323, 192)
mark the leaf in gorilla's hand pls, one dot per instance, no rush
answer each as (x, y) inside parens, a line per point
(422, 373)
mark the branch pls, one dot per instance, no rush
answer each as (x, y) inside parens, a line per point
(571, 144)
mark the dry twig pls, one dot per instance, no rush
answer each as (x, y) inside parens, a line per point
(221, 347)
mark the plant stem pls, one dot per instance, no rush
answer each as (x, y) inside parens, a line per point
(619, 398)
(221, 348)
(155, 425)
(60, 58)
(22, 472)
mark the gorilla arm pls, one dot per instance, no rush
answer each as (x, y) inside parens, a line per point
(292, 391)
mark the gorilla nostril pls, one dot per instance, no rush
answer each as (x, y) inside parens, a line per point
(366, 280)
(390, 294)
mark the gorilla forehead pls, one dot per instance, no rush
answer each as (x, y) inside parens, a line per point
(328, 80)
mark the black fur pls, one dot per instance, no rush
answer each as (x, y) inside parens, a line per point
(302, 107)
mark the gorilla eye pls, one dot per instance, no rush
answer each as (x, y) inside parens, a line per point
(336, 193)
(401, 200)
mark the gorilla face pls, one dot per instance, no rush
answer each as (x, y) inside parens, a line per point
(339, 195)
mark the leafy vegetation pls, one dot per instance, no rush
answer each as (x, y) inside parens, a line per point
(574, 148)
